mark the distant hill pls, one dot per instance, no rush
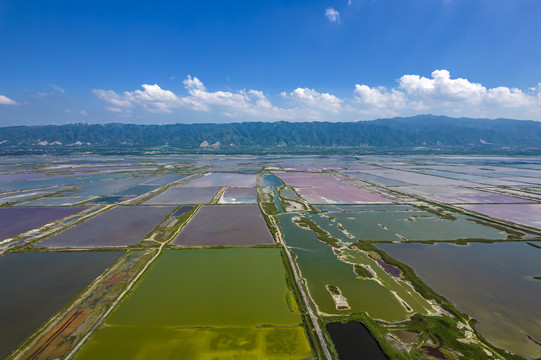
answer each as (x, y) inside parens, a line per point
(411, 132)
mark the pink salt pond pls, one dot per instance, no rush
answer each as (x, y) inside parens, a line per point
(340, 195)
(308, 179)
(525, 214)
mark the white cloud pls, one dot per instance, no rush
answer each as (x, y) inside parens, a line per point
(511, 97)
(4, 100)
(155, 99)
(312, 99)
(152, 98)
(112, 98)
(380, 97)
(442, 87)
(332, 15)
(83, 112)
(442, 94)
(414, 94)
(57, 88)
(193, 83)
(114, 109)
(305, 103)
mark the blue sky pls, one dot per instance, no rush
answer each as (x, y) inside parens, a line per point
(217, 61)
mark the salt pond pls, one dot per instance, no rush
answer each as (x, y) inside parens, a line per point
(124, 225)
(320, 266)
(37, 285)
(244, 310)
(220, 225)
(17, 220)
(493, 283)
(400, 225)
(184, 195)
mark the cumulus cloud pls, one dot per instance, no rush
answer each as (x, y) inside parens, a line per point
(441, 87)
(313, 99)
(4, 100)
(439, 93)
(243, 102)
(155, 99)
(152, 98)
(379, 97)
(332, 15)
(444, 95)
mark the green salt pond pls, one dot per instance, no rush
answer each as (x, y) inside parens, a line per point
(320, 267)
(385, 225)
(199, 304)
(197, 343)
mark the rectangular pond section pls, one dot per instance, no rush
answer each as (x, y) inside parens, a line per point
(225, 225)
(17, 220)
(525, 214)
(353, 341)
(340, 195)
(184, 195)
(244, 310)
(58, 201)
(225, 179)
(121, 226)
(239, 195)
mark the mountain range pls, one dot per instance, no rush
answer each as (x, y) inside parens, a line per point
(427, 131)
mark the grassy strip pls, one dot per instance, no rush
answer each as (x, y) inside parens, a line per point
(269, 208)
(322, 235)
(306, 321)
(408, 272)
(162, 233)
(534, 245)
(362, 271)
(266, 216)
(333, 290)
(440, 213)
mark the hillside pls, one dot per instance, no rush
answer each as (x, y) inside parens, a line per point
(418, 131)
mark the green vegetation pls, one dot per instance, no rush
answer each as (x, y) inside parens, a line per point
(445, 330)
(322, 235)
(333, 289)
(321, 265)
(318, 137)
(408, 272)
(534, 245)
(436, 209)
(362, 271)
